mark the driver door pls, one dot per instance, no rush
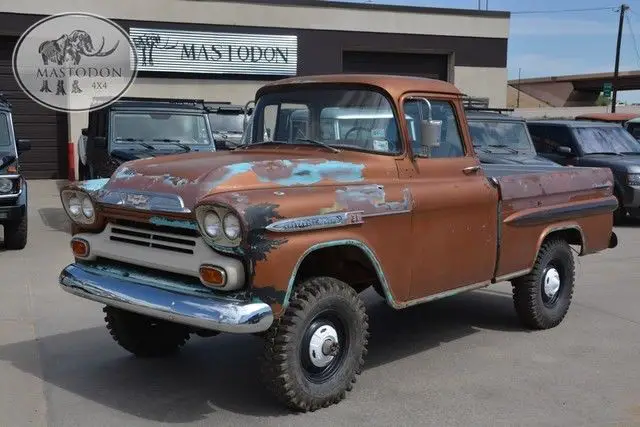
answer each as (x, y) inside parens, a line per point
(455, 206)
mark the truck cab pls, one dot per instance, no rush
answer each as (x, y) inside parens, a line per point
(133, 128)
(13, 186)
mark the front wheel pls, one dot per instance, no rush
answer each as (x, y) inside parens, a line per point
(144, 336)
(315, 350)
(543, 296)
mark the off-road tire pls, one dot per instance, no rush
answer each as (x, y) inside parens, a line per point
(283, 367)
(529, 297)
(15, 234)
(144, 336)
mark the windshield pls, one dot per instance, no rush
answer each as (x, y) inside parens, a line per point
(634, 129)
(490, 134)
(609, 139)
(226, 122)
(5, 132)
(147, 127)
(357, 119)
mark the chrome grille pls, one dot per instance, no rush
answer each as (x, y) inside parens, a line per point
(180, 243)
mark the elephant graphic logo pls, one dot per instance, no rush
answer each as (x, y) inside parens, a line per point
(67, 61)
(72, 47)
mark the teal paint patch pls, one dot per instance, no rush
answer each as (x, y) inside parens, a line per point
(93, 184)
(312, 173)
(167, 222)
(230, 172)
(347, 242)
(124, 173)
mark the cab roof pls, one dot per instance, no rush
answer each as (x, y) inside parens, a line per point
(395, 85)
(575, 123)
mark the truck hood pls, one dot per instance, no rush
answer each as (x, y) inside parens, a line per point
(195, 175)
(518, 159)
(136, 154)
(624, 163)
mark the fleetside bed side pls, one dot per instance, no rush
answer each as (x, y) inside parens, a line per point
(538, 203)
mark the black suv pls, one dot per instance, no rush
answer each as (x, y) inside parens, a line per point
(501, 138)
(13, 186)
(227, 123)
(599, 144)
(133, 128)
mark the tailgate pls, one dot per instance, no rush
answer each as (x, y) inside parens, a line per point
(535, 201)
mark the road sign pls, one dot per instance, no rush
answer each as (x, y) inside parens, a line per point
(606, 89)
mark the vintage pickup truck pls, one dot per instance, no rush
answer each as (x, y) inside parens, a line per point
(278, 237)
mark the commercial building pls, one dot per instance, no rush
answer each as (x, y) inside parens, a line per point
(465, 47)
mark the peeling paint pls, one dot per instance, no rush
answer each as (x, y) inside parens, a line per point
(370, 199)
(168, 222)
(93, 184)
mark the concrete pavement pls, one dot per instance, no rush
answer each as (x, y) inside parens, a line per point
(457, 362)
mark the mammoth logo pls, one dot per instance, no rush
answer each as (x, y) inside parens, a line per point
(72, 47)
(82, 70)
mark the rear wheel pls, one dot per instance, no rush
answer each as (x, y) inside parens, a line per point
(315, 350)
(144, 336)
(542, 297)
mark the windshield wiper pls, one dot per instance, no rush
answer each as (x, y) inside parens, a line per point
(174, 142)
(481, 148)
(321, 144)
(138, 141)
(505, 147)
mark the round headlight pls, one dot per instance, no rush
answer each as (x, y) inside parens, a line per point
(212, 224)
(75, 206)
(231, 226)
(87, 207)
(5, 185)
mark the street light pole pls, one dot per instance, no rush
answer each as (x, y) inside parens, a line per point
(614, 97)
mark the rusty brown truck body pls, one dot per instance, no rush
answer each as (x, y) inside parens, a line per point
(378, 186)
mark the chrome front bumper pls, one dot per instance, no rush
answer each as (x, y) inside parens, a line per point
(205, 312)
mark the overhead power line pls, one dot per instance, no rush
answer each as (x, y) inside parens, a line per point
(521, 12)
(633, 38)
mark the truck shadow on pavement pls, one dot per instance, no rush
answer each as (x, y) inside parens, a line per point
(56, 219)
(221, 374)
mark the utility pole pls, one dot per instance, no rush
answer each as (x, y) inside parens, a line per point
(614, 97)
(518, 100)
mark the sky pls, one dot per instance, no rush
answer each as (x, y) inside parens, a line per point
(552, 43)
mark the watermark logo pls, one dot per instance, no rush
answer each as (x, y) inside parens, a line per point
(76, 61)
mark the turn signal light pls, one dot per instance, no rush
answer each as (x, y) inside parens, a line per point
(80, 248)
(212, 276)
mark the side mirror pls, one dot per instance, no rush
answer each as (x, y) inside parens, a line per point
(84, 131)
(23, 145)
(99, 142)
(563, 149)
(430, 134)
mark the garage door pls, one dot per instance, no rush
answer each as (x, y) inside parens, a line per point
(405, 64)
(46, 129)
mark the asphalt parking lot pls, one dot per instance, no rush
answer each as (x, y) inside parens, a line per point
(464, 361)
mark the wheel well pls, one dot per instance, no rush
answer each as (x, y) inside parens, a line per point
(347, 263)
(572, 236)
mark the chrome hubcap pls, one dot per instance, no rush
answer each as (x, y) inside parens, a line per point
(323, 346)
(551, 283)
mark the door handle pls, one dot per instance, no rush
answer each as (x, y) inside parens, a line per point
(471, 169)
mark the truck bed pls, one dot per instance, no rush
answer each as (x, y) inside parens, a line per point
(537, 200)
